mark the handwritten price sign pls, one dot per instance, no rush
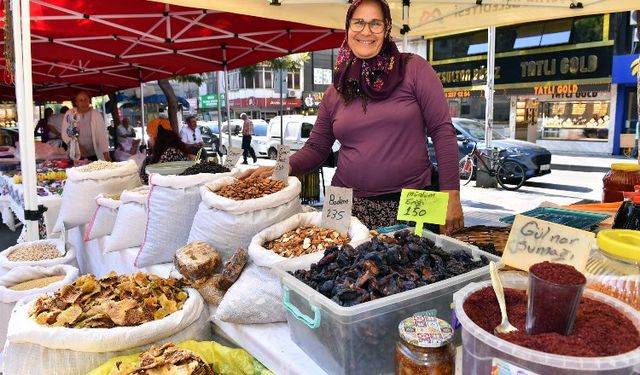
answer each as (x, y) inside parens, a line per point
(281, 170)
(233, 155)
(422, 207)
(533, 240)
(336, 211)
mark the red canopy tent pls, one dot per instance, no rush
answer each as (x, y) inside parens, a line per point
(110, 45)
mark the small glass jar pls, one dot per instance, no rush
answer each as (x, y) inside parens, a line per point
(622, 177)
(425, 347)
(614, 268)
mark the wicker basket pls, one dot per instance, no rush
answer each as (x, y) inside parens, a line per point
(483, 236)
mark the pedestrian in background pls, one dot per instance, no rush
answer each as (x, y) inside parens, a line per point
(247, 133)
(43, 126)
(192, 137)
(381, 106)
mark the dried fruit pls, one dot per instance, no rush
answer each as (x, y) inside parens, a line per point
(306, 239)
(204, 167)
(114, 300)
(251, 188)
(165, 359)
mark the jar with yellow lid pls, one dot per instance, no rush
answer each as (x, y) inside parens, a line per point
(614, 268)
(425, 347)
(622, 177)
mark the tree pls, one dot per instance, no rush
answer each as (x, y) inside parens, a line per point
(172, 99)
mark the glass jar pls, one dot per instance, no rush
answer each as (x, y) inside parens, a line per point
(622, 177)
(425, 347)
(614, 268)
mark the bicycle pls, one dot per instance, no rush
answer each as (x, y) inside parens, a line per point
(509, 174)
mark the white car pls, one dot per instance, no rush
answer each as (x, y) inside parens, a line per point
(259, 130)
(297, 129)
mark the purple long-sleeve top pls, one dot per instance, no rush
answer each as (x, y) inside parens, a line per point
(384, 150)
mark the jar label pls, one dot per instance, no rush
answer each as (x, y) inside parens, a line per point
(425, 331)
(502, 367)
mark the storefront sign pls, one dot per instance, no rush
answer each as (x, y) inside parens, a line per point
(621, 72)
(312, 99)
(533, 241)
(210, 101)
(336, 210)
(281, 170)
(423, 206)
(265, 102)
(561, 65)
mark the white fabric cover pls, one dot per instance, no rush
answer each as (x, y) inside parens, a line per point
(8, 297)
(256, 297)
(228, 224)
(80, 190)
(68, 258)
(172, 204)
(128, 230)
(35, 356)
(103, 219)
(267, 258)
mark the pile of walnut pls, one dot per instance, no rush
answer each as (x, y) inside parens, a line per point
(198, 262)
(251, 188)
(165, 359)
(114, 300)
(304, 240)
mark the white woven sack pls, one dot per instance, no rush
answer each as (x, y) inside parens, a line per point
(81, 188)
(103, 219)
(8, 297)
(256, 297)
(227, 224)
(267, 258)
(128, 230)
(35, 358)
(172, 204)
(67, 250)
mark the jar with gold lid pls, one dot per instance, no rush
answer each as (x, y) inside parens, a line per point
(621, 178)
(614, 268)
(425, 347)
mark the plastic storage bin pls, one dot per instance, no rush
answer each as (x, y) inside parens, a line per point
(614, 268)
(361, 339)
(481, 347)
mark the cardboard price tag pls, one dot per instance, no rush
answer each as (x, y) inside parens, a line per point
(233, 155)
(336, 210)
(281, 170)
(533, 241)
(423, 206)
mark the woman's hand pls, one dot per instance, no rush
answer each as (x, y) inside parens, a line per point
(455, 217)
(260, 172)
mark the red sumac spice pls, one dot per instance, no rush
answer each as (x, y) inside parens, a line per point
(558, 273)
(599, 330)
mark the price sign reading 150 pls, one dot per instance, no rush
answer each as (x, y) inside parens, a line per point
(423, 206)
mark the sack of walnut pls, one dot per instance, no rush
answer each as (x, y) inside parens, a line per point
(35, 349)
(85, 183)
(265, 257)
(228, 224)
(29, 281)
(44, 253)
(173, 202)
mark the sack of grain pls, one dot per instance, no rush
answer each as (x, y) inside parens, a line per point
(44, 253)
(103, 218)
(85, 183)
(228, 224)
(128, 230)
(29, 281)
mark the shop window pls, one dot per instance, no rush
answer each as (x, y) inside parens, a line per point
(587, 29)
(293, 80)
(268, 80)
(478, 44)
(234, 80)
(575, 120)
(556, 32)
(528, 36)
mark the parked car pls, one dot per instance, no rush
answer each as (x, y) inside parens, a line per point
(296, 128)
(209, 130)
(259, 130)
(536, 160)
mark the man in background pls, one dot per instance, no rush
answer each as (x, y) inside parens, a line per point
(191, 136)
(247, 132)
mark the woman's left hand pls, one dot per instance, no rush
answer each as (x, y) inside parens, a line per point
(455, 217)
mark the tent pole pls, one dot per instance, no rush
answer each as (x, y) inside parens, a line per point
(219, 77)
(226, 102)
(24, 100)
(489, 91)
(281, 109)
(143, 123)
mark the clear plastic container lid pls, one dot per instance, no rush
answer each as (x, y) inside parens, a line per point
(620, 243)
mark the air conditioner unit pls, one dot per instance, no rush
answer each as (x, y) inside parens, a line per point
(633, 19)
(291, 94)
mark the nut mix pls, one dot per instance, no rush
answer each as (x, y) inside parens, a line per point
(251, 188)
(97, 166)
(114, 300)
(204, 167)
(34, 252)
(306, 239)
(165, 359)
(36, 283)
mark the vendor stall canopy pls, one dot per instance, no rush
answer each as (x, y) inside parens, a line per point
(428, 18)
(104, 46)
